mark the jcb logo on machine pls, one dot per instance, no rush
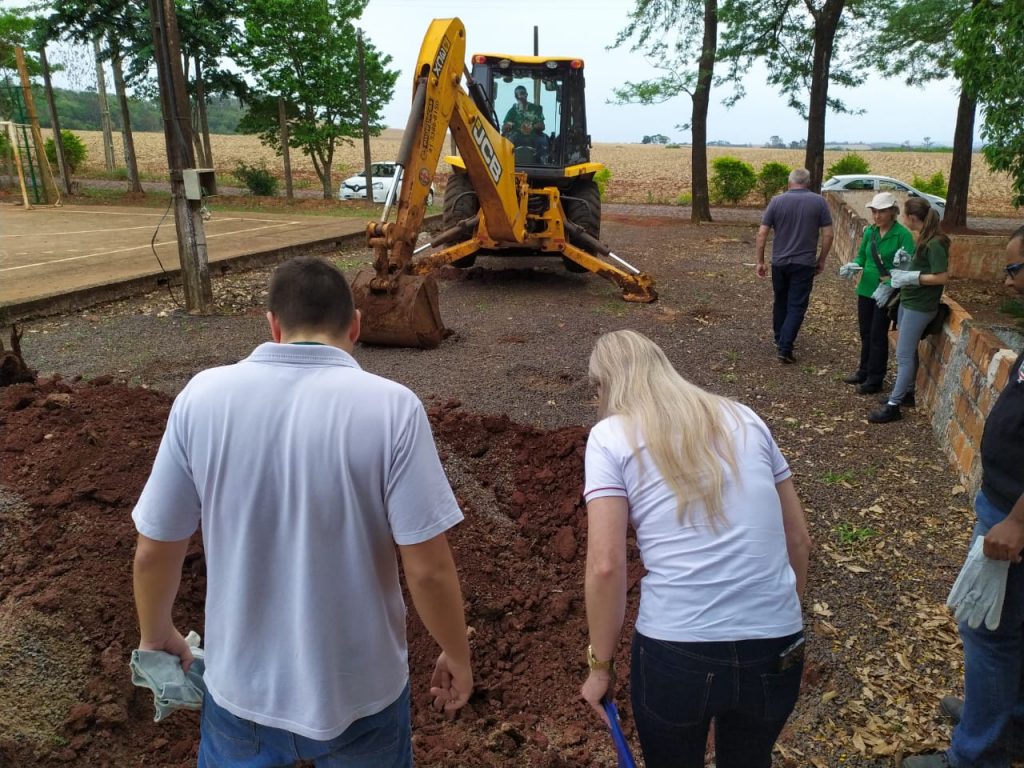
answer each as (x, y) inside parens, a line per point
(442, 56)
(483, 143)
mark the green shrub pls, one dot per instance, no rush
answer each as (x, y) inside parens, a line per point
(732, 179)
(933, 185)
(74, 151)
(851, 163)
(684, 198)
(601, 178)
(673, 146)
(257, 178)
(772, 179)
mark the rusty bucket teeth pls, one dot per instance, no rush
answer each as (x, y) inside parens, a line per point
(407, 314)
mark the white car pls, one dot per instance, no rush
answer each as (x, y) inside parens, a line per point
(383, 176)
(849, 183)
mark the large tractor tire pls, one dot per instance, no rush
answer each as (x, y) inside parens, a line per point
(460, 203)
(584, 210)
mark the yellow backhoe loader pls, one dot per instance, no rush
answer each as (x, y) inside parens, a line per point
(524, 185)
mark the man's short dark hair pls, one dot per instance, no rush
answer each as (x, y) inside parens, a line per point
(307, 293)
(520, 88)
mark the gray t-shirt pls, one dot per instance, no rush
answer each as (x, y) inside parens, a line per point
(796, 216)
(305, 472)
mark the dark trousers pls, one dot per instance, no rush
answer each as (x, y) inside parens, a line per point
(792, 285)
(874, 340)
(677, 688)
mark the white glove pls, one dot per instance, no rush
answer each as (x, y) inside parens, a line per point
(901, 278)
(901, 259)
(978, 591)
(849, 269)
(882, 294)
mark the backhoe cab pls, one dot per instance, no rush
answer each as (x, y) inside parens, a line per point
(522, 183)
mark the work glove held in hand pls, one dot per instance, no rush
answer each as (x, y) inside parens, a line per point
(849, 269)
(882, 294)
(978, 592)
(902, 277)
(901, 260)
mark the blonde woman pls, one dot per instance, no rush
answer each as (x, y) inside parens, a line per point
(722, 535)
(921, 288)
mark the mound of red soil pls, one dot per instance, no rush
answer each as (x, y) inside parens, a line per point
(79, 454)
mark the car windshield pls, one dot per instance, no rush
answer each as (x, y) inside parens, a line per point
(528, 104)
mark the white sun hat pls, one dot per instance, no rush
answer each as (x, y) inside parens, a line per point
(883, 201)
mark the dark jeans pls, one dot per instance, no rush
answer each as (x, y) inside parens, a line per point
(677, 688)
(792, 285)
(874, 340)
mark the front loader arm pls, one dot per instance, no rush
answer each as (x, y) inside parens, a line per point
(439, 103)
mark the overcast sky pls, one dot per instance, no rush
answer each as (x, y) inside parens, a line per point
(894, 112)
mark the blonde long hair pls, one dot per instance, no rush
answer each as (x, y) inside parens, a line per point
(685, 428)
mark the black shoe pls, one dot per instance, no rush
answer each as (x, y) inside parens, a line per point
(854, 378)
(868, 389)
(952, 707)
(885, 414)
(786, 358)
(908, 400)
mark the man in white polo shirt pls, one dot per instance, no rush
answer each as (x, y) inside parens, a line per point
(305, 472)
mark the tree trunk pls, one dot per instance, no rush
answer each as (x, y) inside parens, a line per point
(960, 167)
(204, 122)
(282, 119)
(700, 205)
(58, 142)
(101, 94)
(826, 22)
(126, 126)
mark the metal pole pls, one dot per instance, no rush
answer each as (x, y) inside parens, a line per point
(58, 140)
(101, 93)
(45, 174)
(368, 173)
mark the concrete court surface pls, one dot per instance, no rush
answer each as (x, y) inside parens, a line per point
(50, 252)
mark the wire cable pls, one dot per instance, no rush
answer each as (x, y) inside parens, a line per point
(152, 245)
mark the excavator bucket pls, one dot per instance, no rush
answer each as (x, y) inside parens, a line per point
(403, 314)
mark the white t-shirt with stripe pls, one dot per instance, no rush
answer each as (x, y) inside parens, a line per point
(704, 585)
(305, 472)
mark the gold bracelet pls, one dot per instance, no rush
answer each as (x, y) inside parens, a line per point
(598, 666)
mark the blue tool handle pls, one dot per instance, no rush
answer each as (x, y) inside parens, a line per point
(621, 745)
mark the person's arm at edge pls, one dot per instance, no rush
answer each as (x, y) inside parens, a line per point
(798, 539)
(605, 590)
(761, 244)
(156, 575)
(1005, 539)
(434, 587)
(827, 235)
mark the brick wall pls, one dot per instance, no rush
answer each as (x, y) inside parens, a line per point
(964, 368)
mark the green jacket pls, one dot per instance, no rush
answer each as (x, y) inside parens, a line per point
(531, 114)
(931, 258)
(897, 237)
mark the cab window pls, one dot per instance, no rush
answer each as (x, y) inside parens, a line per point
(531, 124)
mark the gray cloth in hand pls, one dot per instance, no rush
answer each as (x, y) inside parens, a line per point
(978, 592)
(882, 294)
(902, 278)
(161, 672)
(849, 269)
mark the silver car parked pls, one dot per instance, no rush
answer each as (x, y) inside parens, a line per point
(855, 182)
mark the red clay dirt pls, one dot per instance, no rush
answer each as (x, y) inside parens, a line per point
(79, 452)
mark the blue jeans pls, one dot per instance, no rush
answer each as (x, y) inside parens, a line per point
(791, 284)
(993, 668)
(383, 740)
(677, 688)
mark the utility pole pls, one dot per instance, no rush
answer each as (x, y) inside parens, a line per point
(282, 121)
(195, 269)
(368, 174)
(101, 93)
(50, 192)
(58, 140)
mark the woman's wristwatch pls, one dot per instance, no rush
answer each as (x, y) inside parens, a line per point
(598, 666)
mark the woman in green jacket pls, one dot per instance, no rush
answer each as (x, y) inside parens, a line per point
(920, 287)
(888, 236)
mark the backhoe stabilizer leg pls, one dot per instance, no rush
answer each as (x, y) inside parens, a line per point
(452, 253)
(637, 288)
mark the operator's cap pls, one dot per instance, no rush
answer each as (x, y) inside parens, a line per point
(883, 201)
(520, 88)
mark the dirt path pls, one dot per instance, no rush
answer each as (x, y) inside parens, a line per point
(510, 404)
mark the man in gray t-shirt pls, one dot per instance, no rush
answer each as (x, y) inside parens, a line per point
(798, 216)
